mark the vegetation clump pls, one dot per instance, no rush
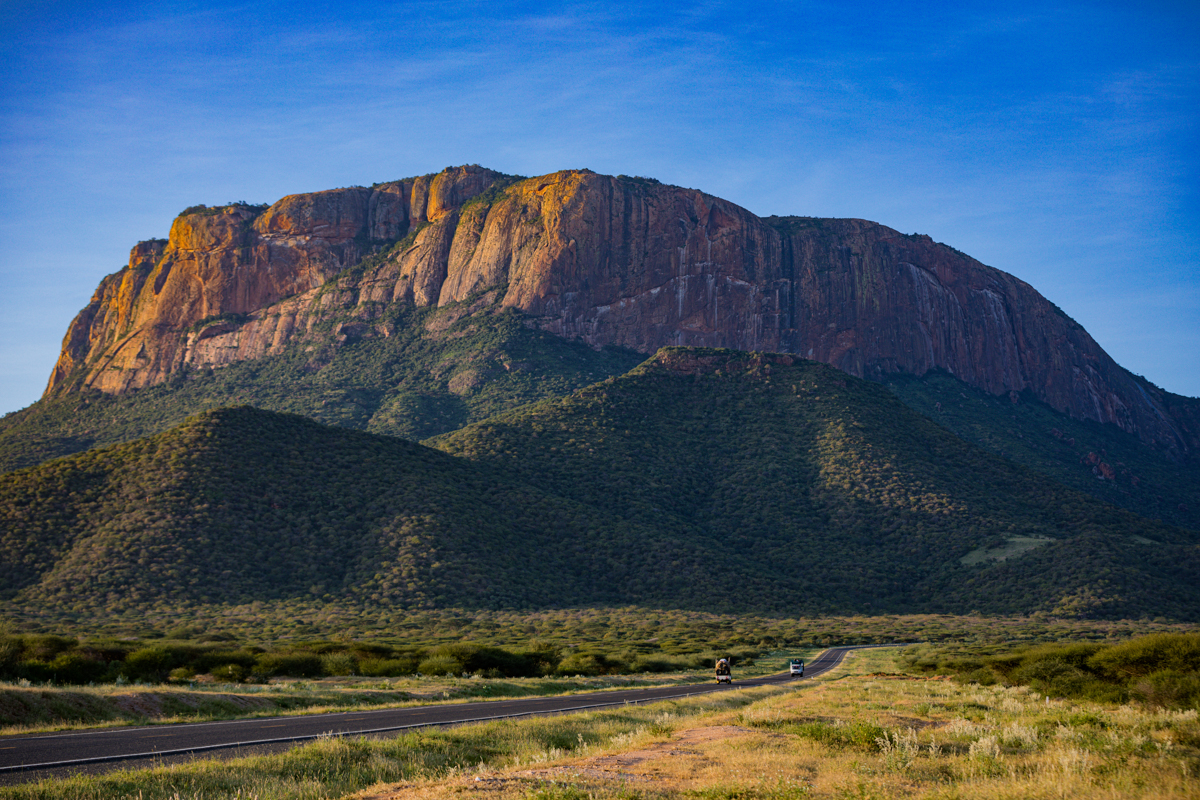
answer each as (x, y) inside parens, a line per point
(861, 503)
(207, 211)
(1161, 670)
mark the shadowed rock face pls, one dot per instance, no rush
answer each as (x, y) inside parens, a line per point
(610, 260)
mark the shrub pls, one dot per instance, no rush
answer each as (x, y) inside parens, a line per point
(653, 664)
(1148, 654)
(148, 664)
(1169, 688)
(182, 674)
(476, 658)
(440, 665)
(77, 668)
(338, 664)
(10, 656)
(207, 660)
(230, 673)
(292, 665)
(46, 647)
(35, 670)
(580, 664)
(387, 667)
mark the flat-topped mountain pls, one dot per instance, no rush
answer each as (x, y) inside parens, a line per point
(607, 260)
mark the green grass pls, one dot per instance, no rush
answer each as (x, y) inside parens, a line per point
(1013, 547)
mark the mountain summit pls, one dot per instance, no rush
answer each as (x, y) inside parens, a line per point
(609, 260)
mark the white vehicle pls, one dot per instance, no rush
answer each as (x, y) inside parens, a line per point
(724, 674)
(796, 667)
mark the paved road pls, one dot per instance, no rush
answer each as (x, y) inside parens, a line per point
(24, 758)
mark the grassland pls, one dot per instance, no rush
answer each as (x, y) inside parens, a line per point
(863, 731)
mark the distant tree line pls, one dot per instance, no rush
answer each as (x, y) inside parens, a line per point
(44, 658)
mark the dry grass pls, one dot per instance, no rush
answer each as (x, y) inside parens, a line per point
(861, 732)
(936, 739)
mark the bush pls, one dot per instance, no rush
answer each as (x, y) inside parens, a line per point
(654, 664)
(77, 668)
(230, 673)
(387, 667)
(10, 656)
(440, 665)
(1169, 688)
(148, 664)
(292, 665)
(580, 664)
(182, 674)
(1149, 654)
(46, 647)
(207, 660)
(984, 676)
(35, 670)
(476, 658)
(338, 664)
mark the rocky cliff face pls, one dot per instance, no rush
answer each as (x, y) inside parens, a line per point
(609, 260)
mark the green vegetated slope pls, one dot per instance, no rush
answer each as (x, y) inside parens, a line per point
(1101, 460)
(793, 486)
(708, 480)
(438, 370)
(443, 368)
(239, 505)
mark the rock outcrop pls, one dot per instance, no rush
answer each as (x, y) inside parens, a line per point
(622, 261)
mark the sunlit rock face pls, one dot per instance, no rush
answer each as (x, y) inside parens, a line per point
(613, 261)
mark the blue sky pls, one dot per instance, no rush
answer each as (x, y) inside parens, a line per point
(1058, 142)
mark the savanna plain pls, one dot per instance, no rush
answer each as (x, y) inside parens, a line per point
(919, 722)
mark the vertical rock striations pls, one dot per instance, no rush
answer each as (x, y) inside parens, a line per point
(622, 261)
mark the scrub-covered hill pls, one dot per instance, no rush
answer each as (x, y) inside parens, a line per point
(703, 479)
(238, 505)
(825, 492)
